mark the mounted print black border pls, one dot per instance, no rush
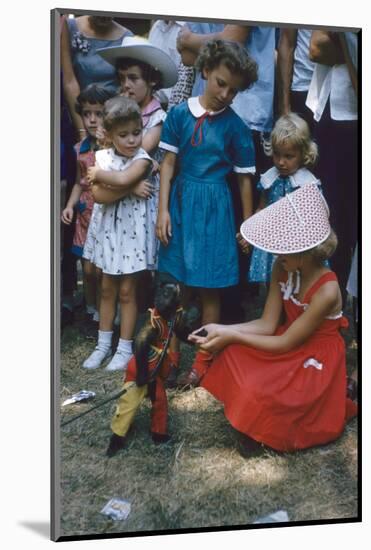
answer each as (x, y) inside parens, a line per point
(55, 276)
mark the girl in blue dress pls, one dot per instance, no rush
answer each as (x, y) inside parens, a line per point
(292, 151)
(205, 141)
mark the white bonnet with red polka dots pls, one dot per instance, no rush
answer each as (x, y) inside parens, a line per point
(297, 222)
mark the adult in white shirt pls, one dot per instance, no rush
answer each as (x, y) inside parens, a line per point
(163, 34)
(333, 100)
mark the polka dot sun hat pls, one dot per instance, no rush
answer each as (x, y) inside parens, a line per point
(297, 222)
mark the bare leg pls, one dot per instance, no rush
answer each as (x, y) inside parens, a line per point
(90, 283)
(98, 278)
(107, 309)
(210, 299)
(128, 304)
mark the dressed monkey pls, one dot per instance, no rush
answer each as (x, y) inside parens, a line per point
(146, 375)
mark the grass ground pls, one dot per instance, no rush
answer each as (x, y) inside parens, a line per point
(199, 479)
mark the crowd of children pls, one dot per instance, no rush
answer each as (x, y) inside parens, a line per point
(152, 193)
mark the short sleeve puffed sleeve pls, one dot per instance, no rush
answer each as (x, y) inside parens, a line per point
(155, 119)
(171, 130)
(103, 159)
(243, 152)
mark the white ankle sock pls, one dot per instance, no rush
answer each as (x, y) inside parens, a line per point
(125, 346)
(90, 310)
(104, 339)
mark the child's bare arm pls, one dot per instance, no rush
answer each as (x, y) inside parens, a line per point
(163, 226)
(103, 195)
(245, 184)
(131, 177)
(121, 180)
(222, 335)
(67, 214)
(152, 138)
(322, 304)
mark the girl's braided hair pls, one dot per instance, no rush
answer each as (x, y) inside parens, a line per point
(233, 56)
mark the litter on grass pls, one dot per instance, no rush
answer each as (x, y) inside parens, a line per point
(275, 517)
(117, 509)
(82, 395)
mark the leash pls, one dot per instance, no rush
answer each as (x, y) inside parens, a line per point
(164, 350)
(115, 396)
(121, 392)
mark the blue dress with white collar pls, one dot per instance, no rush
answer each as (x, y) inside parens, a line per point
(274, 187)
(202, 251)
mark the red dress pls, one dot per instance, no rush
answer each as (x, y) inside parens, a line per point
(86, 159)
(291, 400)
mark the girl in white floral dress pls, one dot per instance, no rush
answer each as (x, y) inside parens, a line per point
(142, 69)
(124, 242)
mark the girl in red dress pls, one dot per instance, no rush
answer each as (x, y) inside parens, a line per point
(284, 385)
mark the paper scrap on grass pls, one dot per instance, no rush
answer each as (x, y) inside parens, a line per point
(117, 509)
(82, 395)
(275, 517)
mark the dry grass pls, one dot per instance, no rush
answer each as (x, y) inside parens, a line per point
(198, 480)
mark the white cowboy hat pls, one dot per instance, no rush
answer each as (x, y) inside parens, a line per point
(297, 222)
(136, 47)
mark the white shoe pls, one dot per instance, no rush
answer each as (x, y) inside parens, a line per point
(119, 361)
(96, 358)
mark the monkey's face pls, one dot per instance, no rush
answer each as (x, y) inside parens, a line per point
(167, 299)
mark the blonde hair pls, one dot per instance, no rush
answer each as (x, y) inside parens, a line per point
(325, 250)
(293, 129)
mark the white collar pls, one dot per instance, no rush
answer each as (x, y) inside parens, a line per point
(301, 177)
(197, 110)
